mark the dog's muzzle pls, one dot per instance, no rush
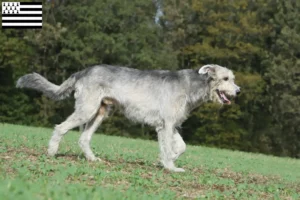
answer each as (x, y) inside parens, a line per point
(223, 97)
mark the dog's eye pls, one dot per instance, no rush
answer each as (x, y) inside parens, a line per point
(225, 79)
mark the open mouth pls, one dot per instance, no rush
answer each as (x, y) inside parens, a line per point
(223, 97)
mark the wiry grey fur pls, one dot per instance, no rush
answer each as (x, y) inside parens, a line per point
(160, 98)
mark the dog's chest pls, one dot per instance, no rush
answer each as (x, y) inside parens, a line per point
(142, 114)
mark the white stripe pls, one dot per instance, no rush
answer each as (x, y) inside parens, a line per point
(30, 12)
(22, 18)
(30, 6)
(22, 24)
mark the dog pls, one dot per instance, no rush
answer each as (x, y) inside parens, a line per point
(160, 98)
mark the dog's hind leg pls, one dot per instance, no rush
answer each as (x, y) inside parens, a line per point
(91, 127)
(72, 121)
(85, 109)
(165, 136)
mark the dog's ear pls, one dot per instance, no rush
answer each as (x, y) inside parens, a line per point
(207, 69)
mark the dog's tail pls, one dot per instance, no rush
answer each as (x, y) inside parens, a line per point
(39, 83)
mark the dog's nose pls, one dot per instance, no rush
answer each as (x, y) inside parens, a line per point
(238, 91)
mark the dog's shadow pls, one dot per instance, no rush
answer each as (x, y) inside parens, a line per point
(71, 156)
(76, 157)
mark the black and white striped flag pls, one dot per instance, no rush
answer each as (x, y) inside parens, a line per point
(22, 15)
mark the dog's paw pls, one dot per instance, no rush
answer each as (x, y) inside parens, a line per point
(177, 169)
(51, 152)
(98, 159)
(94, 159)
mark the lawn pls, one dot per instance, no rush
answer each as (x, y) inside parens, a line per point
(130, 170)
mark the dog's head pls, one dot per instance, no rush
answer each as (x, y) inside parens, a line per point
(222, 85)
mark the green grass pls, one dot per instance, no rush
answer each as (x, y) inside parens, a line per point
(130, 171)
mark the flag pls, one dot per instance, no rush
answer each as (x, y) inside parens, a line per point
(22, 15)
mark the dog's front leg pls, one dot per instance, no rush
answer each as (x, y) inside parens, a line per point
(165, 139)
(178, 145)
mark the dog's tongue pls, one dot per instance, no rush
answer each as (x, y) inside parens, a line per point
(227, 101)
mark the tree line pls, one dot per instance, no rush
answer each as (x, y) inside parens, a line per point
(258, 39)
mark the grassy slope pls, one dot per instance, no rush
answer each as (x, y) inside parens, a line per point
(129, 170)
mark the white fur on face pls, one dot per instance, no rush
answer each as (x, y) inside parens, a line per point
(223, 81)
(226, 78)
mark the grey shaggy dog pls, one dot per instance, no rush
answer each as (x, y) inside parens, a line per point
(160, 98)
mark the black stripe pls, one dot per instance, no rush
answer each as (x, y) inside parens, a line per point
(18, 21)
(22, 27)
(31, 3)
(22, 15)
(31, 9)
